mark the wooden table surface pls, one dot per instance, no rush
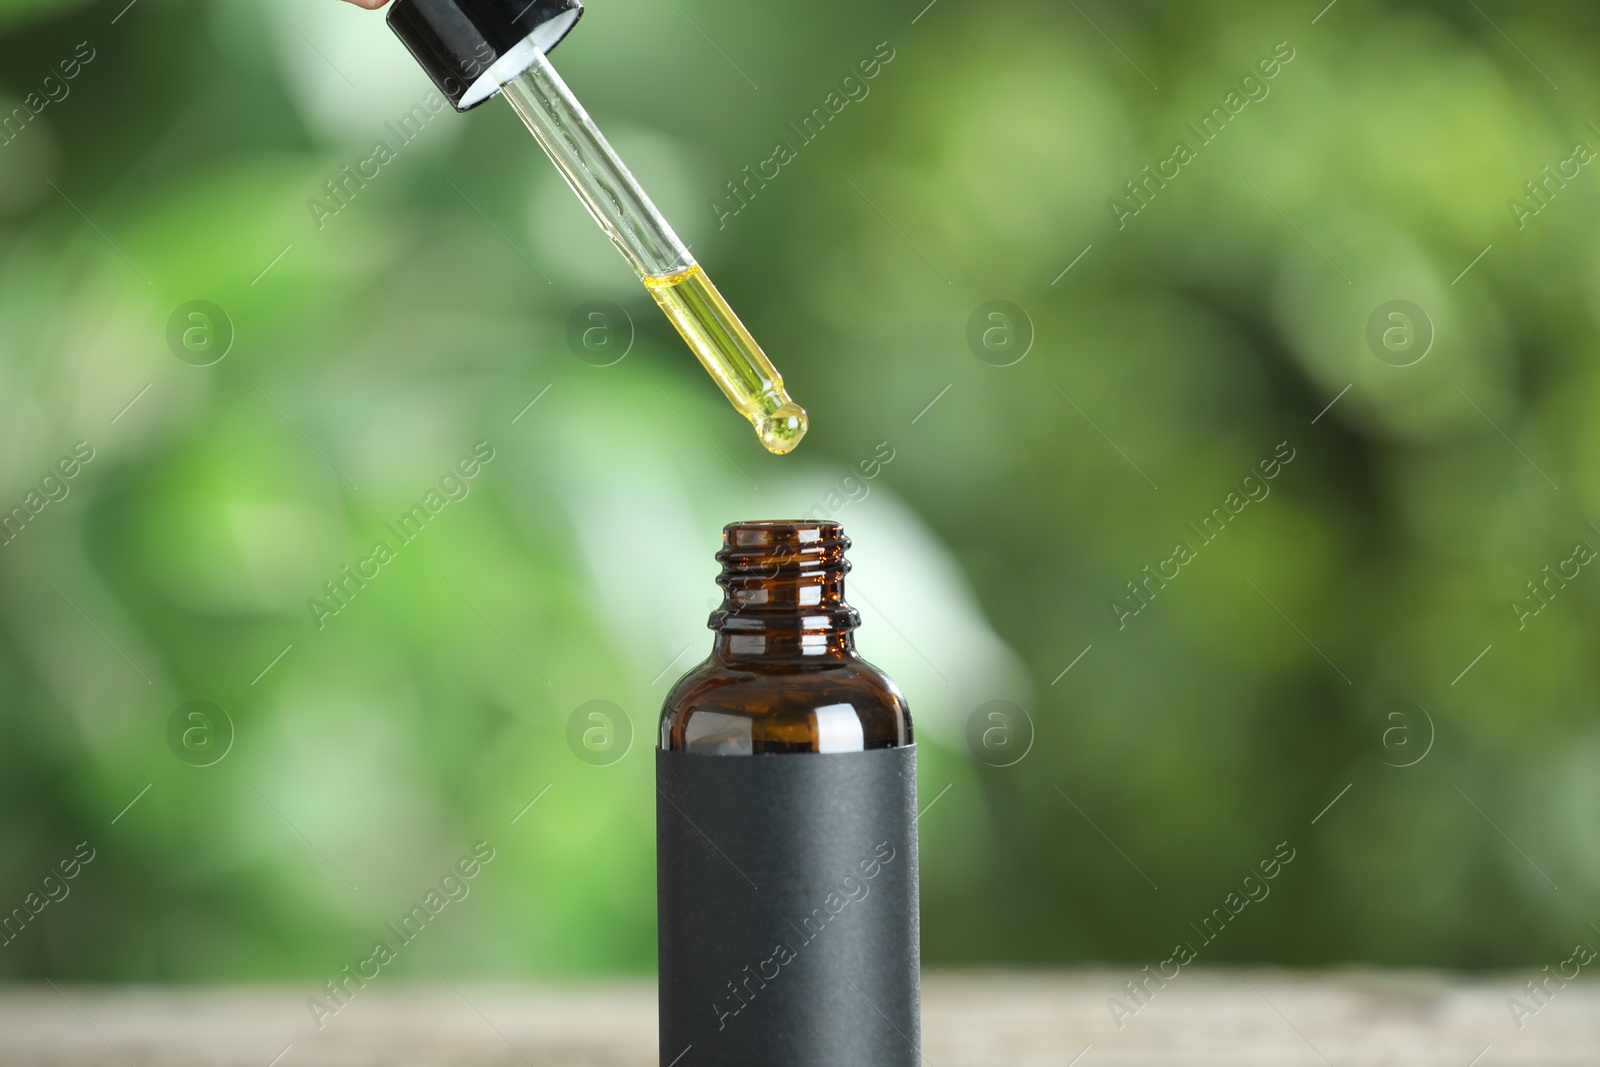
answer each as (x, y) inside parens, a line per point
(1015, 1019)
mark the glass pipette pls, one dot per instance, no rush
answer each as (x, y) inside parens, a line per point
(678, 284)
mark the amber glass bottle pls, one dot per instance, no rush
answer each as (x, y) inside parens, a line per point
(786, 826)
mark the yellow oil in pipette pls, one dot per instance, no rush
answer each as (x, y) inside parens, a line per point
(702, 317)
(730, 355)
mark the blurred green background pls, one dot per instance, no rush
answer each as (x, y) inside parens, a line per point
(372, 353)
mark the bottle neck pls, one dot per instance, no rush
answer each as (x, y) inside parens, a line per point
(783, 594)
(778, 648)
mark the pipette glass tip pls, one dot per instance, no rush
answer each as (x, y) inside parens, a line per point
(677, 283)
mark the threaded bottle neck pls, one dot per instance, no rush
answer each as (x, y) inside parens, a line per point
(783, 591)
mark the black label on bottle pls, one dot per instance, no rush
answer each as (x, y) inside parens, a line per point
(787, 889)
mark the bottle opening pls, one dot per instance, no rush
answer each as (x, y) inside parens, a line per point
(784, 576)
